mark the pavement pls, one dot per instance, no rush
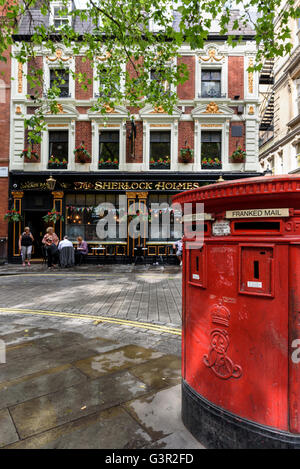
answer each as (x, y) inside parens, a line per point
(92, 358)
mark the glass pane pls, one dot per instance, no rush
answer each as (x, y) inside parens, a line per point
(159, 150)
(160, 136)
(58, 145)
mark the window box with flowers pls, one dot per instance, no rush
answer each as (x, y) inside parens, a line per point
(13, 216)
(108, 164)
(186, 154)
(82, 155)
(30, 156)
(211, 163)
(53, 216)
(238, 156)
(161, 163)
(56, 163)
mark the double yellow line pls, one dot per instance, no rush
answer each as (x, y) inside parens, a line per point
(120, 322)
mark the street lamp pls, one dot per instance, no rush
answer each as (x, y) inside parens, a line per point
(51, 183)
(220, 179)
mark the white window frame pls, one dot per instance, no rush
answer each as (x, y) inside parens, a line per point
(53, 18)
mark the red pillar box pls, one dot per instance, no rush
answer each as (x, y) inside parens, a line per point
(241, 315)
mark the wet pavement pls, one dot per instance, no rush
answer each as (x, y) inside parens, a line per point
(75, 382)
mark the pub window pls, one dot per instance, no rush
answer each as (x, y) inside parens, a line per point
(83, 212)
(59, 78)
(211, 150)
(109, 146)
(58, 149)
(160, 150)
(211, 83)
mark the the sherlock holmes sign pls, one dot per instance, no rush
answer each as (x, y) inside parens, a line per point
(116, 185)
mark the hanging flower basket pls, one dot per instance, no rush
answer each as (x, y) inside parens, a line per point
(108, 164)
(30, 156)
(53, 217)
(12, 216)
(55, 163)
(186, 154)
(82, 155)
(211, 163)
(238, 156)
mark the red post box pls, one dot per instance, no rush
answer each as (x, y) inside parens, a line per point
(241, 315)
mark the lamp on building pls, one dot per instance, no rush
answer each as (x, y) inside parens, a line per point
(51, 183)
(268, 172)
(220, 179)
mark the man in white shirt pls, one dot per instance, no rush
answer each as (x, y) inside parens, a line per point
(66, 253)
(65, 243)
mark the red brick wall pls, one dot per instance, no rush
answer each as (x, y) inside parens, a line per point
(235, 142)
(138, 143)
(236, 77)
(35, 63)
(84, 134)
(5, 139)
(187, 89)
(35, 146)
(185, 134)
(83, 67)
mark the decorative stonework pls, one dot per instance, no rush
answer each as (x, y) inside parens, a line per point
(250, 77)
(159, 110)
(58, 56)
(20, 77)
(104, 57)
(251, 110)
(212, 108)
(18, 110)
(109, 109)
(211, 57)
(219, 126)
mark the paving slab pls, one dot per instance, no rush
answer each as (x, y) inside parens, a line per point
(69, 404)
(8, 432)
(116, 360)
(160, 373)
(109, 429)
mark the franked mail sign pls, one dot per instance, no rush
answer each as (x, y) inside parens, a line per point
(258, 213)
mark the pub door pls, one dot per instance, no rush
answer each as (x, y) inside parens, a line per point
(34, 219)
(136, 244)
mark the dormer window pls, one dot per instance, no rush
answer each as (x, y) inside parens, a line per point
(59, 15)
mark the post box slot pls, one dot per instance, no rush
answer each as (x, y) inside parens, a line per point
(197, 274)
(256, 270)
(273, 226)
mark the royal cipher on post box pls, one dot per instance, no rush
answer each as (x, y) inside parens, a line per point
(241, 314)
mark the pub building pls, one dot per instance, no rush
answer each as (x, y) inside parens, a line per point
(147, 158)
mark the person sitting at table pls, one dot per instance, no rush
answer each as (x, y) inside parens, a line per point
(81, 251)
(66, 253)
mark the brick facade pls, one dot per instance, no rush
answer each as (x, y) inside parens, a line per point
(138, 143)
(86, 69)
(35, 63)
(187, 89)
(5, 83)
(235, 77)
(83, 135)
(235, 142)
(185, 137)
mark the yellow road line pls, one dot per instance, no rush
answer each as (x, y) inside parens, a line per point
(126, 322)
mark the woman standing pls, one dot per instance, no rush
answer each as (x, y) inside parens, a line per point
(50, 241)
(25, 245)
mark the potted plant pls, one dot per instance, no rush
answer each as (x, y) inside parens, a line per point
(211, 163)
(186, 154)
(12, 216)
(29, 155)
(82, 155)
(161, 163)
(108, 164)
(238, 156)
(53, 216)
(56, 163)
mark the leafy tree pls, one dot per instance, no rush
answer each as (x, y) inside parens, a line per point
(118, 31)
